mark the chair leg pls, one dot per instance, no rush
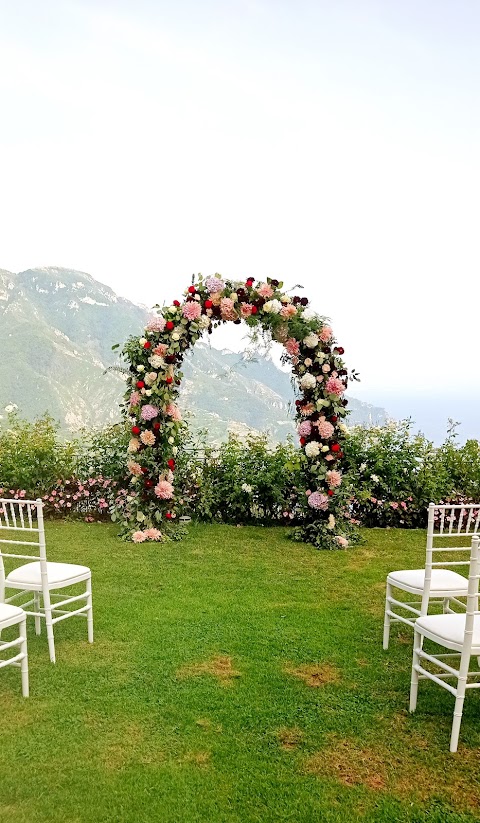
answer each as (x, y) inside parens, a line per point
(446, 606)
(48, 620)
(24, 663)
(458, 710)
(386, 621)
(90, 611)
(417, 645)
(36, 606)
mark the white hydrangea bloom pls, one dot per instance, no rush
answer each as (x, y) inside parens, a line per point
(309, 314)
(272, 307)
(156, 361)
(204, 322)
(312, 449)
(311, 340)
(308, 381)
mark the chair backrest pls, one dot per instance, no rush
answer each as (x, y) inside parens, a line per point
(21, 524)
(448, 526)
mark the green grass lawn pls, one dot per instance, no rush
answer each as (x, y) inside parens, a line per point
(235, 676)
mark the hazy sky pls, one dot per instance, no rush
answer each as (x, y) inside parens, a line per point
(332, 143)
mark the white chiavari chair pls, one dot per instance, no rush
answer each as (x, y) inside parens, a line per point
(13, 616)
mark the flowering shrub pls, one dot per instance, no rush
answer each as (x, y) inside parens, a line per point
(154, 377)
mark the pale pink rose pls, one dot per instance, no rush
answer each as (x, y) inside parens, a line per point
(292, 346)
(308, 362)
(227, 309)
(153, 534)
(329, 457)
(305, 428)
(134, 398)
(334, 478)
(326, 334)
(318, 501)
(150, 378)
(325, 368)
(307, 409)
(191, 310)
(161, 349)
(265, 290)
(320, 378)
(325, 429)
(164, 490)
(134, 468)
(342, 541)
(246, 309)
(173, 411)
(149, 412)
(334, 386)
(139, 537)
(288, 311)
(156, 324)
(147, 438)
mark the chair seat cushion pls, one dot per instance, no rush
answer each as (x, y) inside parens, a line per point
(448, 630)
(8, 612)
(443, 580)
(58, 574)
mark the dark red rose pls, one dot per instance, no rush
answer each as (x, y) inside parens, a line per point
(149, 483)
(176, 303)
(274, 283)
(304, 301)
(340, 350)
(169, 325)
(302, 441)
(298, 402)
(296, 300)
(250, 280)
(344, 402)
(171, 464)
(237, 321)
(170, 358)
(330, 492)
(254, 310)
(147, 344)
(156, 426)
(208, 304)
(191, 290)
(135, 429)
(168, 515)
(169, 380)
(140, 384)
(335, 447)
(333, 418)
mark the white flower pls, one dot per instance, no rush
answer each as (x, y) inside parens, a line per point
(343, 428)
(11, 408)
(309, 314)
(331, 522)
(171, 440)
(204, 322)
(375, 478)
(175, 335)
(285, 298)
(156, 361)
(140, 368)
(142, 341)
(312, 449)
(308, 381)
(311, 340)
(362, 467)
(272, 307)
(246, 488)
(175, 451)
(325, 448)
(148, 392)
(320, 357)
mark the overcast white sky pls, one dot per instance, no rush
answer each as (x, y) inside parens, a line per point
(332, 144)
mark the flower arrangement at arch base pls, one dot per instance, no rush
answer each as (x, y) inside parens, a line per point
(152, 511)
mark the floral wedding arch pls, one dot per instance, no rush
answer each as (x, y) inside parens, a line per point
(154, 359)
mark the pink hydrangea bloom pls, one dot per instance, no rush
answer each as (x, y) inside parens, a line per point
(156, 323)
(134, 398)
(214, 284)
(139, 537)
(173, 411)
(147, 438)
(148, 412)
(191, 310)
(305, 428)
(334, 386)
(318, 501)
(161, 349)
(153, 534)
(265, 290)
(326, 334)
(292, 346)
(334, 478)
(227, 309)
(325, 429)
(246, 309)
(288, 311)
(164, 490)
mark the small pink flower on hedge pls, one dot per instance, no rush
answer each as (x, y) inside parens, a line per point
(318, 501)
(147, 438)
(265, 290)
(164, 490)
(139, 537)
(288, 311)
(305, 428)
(325, 429)
(326, 334)
(173, 411)
(334, 478)
(227, 309)
(342, 541)
(153, 534)
(161, 349)
(292, 346)
(135, 398)
(334, 386)
(156, 324)
(214, 284)
(149, 412)
(191, 310)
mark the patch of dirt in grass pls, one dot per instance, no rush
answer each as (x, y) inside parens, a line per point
(289, 739)
(350, 764)
(360, 661)
(314, 674)
(219, 667)
(404, 638)
(206, 724)
(360, 559)
(201, 759)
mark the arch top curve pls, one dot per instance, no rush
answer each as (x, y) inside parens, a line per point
(151, 510)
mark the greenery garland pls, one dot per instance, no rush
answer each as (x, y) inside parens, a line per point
(154, 359)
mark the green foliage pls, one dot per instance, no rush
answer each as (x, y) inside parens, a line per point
(32, 456)
(101, 452)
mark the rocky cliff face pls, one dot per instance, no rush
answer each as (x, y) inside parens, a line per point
(57, 327)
